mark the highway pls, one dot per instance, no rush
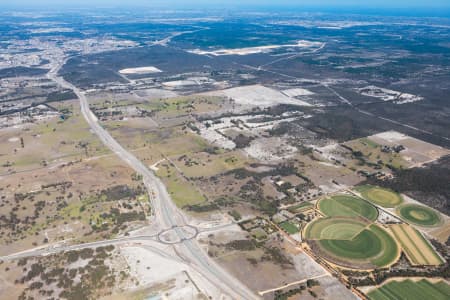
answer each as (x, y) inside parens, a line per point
(166, 214)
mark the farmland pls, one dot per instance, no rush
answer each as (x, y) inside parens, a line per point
(347, 206)
(416, 248)
(300, 207)
(419, 215)
(411, 290)
(352, 243)
(289, 227)
(334, 228)
(292, 155)
(380, 196)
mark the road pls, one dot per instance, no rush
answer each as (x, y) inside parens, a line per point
(345, 101)
(166, 214)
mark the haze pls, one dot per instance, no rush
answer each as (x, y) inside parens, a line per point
(347, 3)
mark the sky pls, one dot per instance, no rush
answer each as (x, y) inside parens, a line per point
(427, 8)
(186, 3)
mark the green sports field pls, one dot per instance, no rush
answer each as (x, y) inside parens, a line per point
(347, 206)
(411, 290)
(289, 227)
(352, 242)
(419, 215)
(380, 196)
(301, 207)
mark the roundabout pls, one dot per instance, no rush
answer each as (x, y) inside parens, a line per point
(172, 235)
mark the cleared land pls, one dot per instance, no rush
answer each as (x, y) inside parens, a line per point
(257, 95)
(380, 196)
(411, 290)
(182, 191)
(416, 152)
(417, 249)
(347, 206)
(419, 215)
(205, 164)
(141, 70)
(372, 153)
(58, 182)
(352, 243)
(48, 142)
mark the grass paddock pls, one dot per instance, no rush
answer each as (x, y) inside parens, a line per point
(380, 196)
(347, 206)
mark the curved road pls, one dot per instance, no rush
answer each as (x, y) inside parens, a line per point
(165, 211)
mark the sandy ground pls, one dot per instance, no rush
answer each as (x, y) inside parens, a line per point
(222, 132)
(190, 81)
(142, 70)
(167, 278)
(416, 152)
(149, 267)
(254, 50)
(333, 289)
(156, 93)
(215, 138)
(384, 217)
(257, 96)
(270, 149)
(297, 92)
(388, 95)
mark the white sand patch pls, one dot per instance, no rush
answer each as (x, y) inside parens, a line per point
(257, 96)
(156, 93)
(334, 25)
(215, 137)
(154, 167)
(335, 289)
(388, 95)
(390, 136)
(224, 235)
(306, 266)
(385, 218)
(191, 81)
(13, 139)
(327, 151)
(179, 83)
(323, 163)
(270, 149)
(416, 152)
(149, 267)
(297, 92)
(331, 188)
(255, 50)
(51, 30)
(221, 132)
(141, 70)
